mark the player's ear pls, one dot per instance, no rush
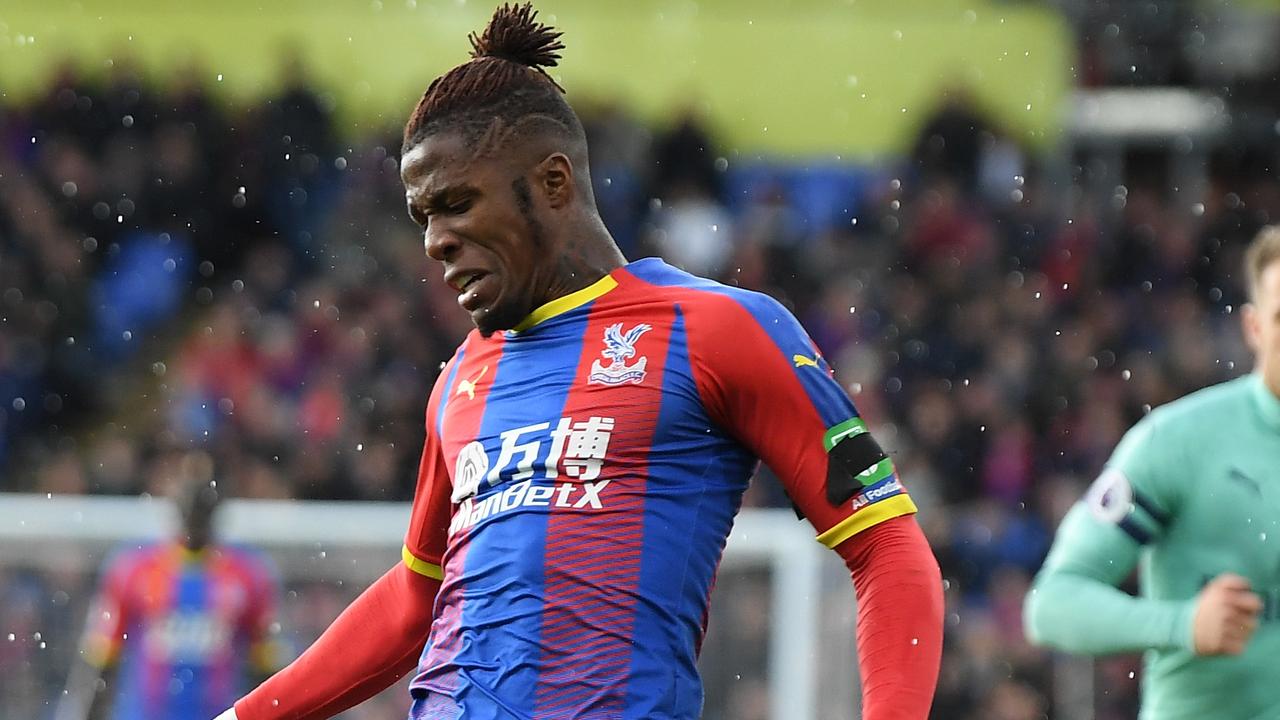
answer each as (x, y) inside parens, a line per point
(555, 177)
(1251, 324)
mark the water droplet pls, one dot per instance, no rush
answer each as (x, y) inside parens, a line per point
(1126, 374)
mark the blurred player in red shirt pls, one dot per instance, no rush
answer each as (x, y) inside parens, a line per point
(180, 628)
(589, 445)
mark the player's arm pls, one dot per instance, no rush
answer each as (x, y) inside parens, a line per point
(377, 640)
(91, 682)
(265, 652)
(761, 378)
(373, 643)
(86, 696)
(1075, 603)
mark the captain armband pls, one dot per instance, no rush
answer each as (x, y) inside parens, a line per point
(855, 461)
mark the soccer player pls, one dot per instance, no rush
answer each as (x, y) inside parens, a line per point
(1192, 497)
(588, 447)
(180, 628)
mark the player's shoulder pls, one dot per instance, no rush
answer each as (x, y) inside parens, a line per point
(1205, 407)
(133, 556)
(247, 557)
(705, 298)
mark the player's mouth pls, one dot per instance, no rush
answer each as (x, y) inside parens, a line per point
(471, 286)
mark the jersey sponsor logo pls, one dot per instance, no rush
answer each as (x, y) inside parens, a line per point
(619, 347)
(880, 491)
(1110, 497)
(470, 468)
(803, 360)
(469, 386)
(525, 494)
(187, 636)
(575, 449)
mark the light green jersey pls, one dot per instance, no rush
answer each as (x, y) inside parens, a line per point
(1192, 491)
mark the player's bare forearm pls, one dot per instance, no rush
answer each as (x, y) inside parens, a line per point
(101, 693)
(900, 609)
(373, 643)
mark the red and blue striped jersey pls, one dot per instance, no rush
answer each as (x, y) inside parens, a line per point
(184, 629)
(580, 477)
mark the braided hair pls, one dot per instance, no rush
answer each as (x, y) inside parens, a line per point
(503, 91)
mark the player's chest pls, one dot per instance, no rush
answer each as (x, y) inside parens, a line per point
(158, 593)
(563, 411)
(1233, 511)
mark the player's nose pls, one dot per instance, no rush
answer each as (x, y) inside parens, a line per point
(441, 244)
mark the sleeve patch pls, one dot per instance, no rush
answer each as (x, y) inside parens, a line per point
(1112, 499)
(854, 461)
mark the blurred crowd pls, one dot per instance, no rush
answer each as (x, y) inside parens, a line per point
(177, 272)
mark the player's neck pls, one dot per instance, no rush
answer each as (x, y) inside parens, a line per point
(590, 254)
(1272, 383)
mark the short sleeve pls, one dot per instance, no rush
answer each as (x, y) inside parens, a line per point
(426, 539)
(266, 653)
(108, 615)
(1135, 491)
(763, 380)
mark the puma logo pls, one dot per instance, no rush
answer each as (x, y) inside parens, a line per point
(469, 386)
(1239, 476)
(802, 360)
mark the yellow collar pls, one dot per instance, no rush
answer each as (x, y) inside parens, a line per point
(564, 304)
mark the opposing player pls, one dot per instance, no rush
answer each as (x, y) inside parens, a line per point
(180, 628)
(1192, 497)
(588, 447)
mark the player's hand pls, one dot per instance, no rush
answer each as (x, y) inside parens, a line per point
(1226, 616)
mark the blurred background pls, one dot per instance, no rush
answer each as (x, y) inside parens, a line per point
(1013, 228)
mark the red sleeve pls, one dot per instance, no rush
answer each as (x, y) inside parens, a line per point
(373, 643)
(265, 655)
(425, 541)
(108, 618)
(900, 609)
(761, 378)
(378, 639)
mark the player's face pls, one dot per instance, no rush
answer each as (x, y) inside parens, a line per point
(1262, 326)
(197, 507)
(480, 219)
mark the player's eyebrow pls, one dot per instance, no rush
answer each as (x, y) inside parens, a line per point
(443, 196)
(421, 203)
